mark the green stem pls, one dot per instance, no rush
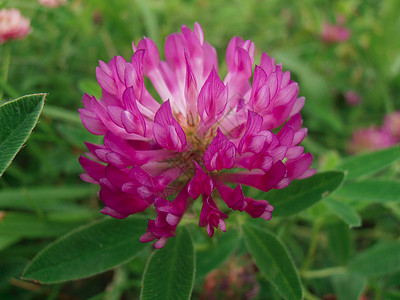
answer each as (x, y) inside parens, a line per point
(309, 296)
(313, 245)
(6, 67)
(323, 272)
(62, 114)
(395, 209)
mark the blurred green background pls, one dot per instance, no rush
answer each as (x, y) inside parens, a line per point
(61, 53)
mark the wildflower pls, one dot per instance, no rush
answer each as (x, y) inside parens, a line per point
(13, 25)
(52, 3)
(392, 124)
(335, 33)
(235, 279)
(370, 139)
(352, 98)
(207, 138)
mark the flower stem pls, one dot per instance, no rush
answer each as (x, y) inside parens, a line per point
(309, 296)
(313, 245)
(6, 67)
(323, 272)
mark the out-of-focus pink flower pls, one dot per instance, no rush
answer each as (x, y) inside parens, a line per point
(234, 280)
(13, 25)
(352, 98)
(209, 136)
(370, 139)
(392, 124)
(52, 3)
(334, 33)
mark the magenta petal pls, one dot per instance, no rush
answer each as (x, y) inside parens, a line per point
(113, 213)
(267, 63)
(120, 65)
(199, 32)
(106, 82)
(93, 169)
(123, 203)
(167, 131)
(296, 168)
(211, 216)
(132, 119)
(259, 208)
(151, 56)
(263, 182)
(234, 198)
(201, 183)
(191, 94)
(220, 154)
(212, 98)
(91, 122)
(173, 49)
(192, 44)
(231, 52)
(134, 74)
(243, 63)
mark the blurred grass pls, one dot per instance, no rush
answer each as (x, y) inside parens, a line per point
(60, 55)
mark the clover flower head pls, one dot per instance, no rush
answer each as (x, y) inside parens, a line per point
(370, 139)
(52, 3)
(352, 98)
(334, 33)
(13, 25)
(392, 124)
(201, 137)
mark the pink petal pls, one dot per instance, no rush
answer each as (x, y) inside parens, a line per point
(167, 131)
(201, 183)
(220, 154)
(106, 82)
(151, 55)
(212, 98)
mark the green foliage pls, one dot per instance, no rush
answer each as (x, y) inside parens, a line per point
(369, 163)
(218, 252)
(371, 191)
(302, 194)
(349, 286)
(88, 250)
(274, 261)
(344, 211)
(341, 230)
(380, 259)
(17, 120)
(170, 271)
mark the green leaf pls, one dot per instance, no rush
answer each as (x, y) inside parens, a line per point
(274, 261)
(301, 194)
(343, 211)
(371, 191)
(8, 240)
(45, 198)
(30, 226)
(339, 241)
(211, 258)
(89, 250)
(17, 120)
(169, 274)
(349, 286)
(369, 163)
(380, 259)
